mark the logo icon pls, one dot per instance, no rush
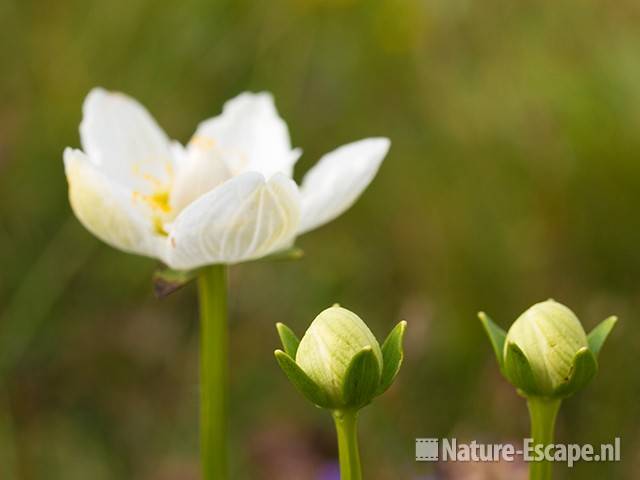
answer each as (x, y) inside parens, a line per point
(426, 449)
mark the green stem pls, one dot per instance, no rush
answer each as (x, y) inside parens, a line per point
(212, 291)
(347, 429)
(543, 413)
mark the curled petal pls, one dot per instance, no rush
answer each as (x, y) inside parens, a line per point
(106, 209)
(250, 136)
(338, 179)
(243, 219)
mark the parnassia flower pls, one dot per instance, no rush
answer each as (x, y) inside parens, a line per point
(227, 197)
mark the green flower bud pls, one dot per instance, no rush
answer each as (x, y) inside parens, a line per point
(546, 352)
(550, 336)
(326, 350)
(339, 364)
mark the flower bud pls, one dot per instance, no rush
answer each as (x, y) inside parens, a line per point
(550, 336)
(339, 364)
(546, 351)
(326, 350)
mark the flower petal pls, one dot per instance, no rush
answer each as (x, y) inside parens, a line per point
(338, 179)
(245, 218)
(250, 136)
(123, 140)
(106, 209)
(199, 170)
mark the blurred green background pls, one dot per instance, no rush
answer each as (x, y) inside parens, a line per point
(514, 176)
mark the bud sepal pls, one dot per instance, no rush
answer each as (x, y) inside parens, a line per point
(392, 357)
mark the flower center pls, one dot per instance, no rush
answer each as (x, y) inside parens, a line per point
(157, 201)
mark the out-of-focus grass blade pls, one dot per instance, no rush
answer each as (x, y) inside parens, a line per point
(41, 287)
(8, 456)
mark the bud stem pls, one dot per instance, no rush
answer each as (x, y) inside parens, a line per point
(543, 413)
(347, 429)
(212, 292)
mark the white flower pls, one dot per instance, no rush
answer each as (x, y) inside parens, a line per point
(227, 197)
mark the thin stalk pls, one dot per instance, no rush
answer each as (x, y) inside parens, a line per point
(212, 291)
(347, 430)
(543, 413)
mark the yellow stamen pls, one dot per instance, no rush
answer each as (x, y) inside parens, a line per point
(158, 226)
(202, 142)
(159, 201)
(155, 181)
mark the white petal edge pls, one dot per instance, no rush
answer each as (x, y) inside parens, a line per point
(250, 136)
(245, 218)
(338, 179)
(106, 209)
(123, 140)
